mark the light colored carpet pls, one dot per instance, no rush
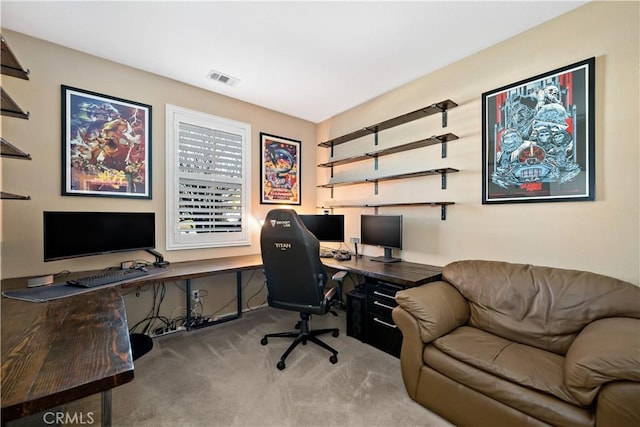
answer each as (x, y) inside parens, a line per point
(223, 376)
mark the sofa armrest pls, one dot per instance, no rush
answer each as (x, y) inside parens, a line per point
(438, 308)
(605, 350)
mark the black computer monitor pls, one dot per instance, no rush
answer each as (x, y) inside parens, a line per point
(79, 234)
(382, 230)
(326, 228)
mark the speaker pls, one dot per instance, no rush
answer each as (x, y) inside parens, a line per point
(356, 314)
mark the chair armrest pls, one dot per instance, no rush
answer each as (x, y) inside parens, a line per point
(438, 308)
(605, 350)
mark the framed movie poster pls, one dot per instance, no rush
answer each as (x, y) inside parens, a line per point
(106, 145)
(279, 170)
(538, 138)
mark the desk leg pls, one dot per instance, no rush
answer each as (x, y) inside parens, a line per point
(106, 408)
(188, 302)
(239, 292)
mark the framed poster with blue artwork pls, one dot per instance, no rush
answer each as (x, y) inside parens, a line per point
(538, 138)
(279, 170)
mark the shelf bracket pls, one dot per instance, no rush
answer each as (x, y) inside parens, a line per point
(443, 173)
(375, 137)
(331, 171)
(375, 163)
(331, 193)
(444, 149)
(375, 188)
(443, 212)
(331, 154)
(444, 118)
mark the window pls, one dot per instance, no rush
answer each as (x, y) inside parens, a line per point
(208, 180)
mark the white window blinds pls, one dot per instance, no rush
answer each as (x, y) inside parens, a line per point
(209, 185)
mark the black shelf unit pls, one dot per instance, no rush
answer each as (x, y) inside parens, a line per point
(439, 107)
(11, 67)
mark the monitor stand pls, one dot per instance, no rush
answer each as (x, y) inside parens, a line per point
(387, 257)
(160, 262)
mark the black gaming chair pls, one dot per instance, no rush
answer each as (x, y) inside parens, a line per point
(295, 277)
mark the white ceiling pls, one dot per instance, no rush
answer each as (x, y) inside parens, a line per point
(308, 59)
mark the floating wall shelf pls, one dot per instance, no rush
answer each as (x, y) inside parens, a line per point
(9, 150)
(443, 206)
(10, 65)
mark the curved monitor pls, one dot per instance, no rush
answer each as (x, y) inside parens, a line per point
(78, 234)
(326, 228)
(382, 230)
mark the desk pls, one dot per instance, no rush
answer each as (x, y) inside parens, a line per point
(406, 274)
(62, 350)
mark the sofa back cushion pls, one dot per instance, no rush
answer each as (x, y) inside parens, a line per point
(540, 306)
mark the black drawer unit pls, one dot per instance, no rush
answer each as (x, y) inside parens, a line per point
(380, 330)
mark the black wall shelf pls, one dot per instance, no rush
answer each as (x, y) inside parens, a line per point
(10, 65)
(10, 108)
(439, 107)
(443, 206)
(10, 196)
(442, 139)
(9, 150)
(442, 171)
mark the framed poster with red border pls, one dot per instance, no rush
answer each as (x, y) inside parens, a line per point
(538, 138)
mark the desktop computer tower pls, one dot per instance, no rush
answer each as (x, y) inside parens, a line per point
(356, 314)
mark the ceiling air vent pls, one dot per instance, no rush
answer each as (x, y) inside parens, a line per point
(223, 78)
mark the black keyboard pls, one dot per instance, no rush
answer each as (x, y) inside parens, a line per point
(107, 277)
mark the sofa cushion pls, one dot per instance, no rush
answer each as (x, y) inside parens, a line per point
(538, 405)
(521, 364)
(539, 306)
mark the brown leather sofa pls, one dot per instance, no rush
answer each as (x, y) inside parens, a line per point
(499, 344)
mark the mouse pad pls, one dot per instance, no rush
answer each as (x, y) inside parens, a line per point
(62, 290)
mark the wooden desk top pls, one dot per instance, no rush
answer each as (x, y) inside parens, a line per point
(63, 350)
(401, 273)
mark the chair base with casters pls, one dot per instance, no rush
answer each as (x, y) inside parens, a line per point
(302, 336)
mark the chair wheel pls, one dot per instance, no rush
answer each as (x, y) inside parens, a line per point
(264, 341)
(335, 333)
(281, 365)
(333, 359)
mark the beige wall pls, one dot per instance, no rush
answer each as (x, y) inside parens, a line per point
(601, 236)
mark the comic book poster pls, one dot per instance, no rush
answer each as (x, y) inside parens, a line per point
(538, 138)
(280, 170)
(106, 145)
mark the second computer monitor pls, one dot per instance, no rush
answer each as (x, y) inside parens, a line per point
(326, 228)
(382, 230)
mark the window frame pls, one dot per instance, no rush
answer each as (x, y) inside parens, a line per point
(176, 240)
